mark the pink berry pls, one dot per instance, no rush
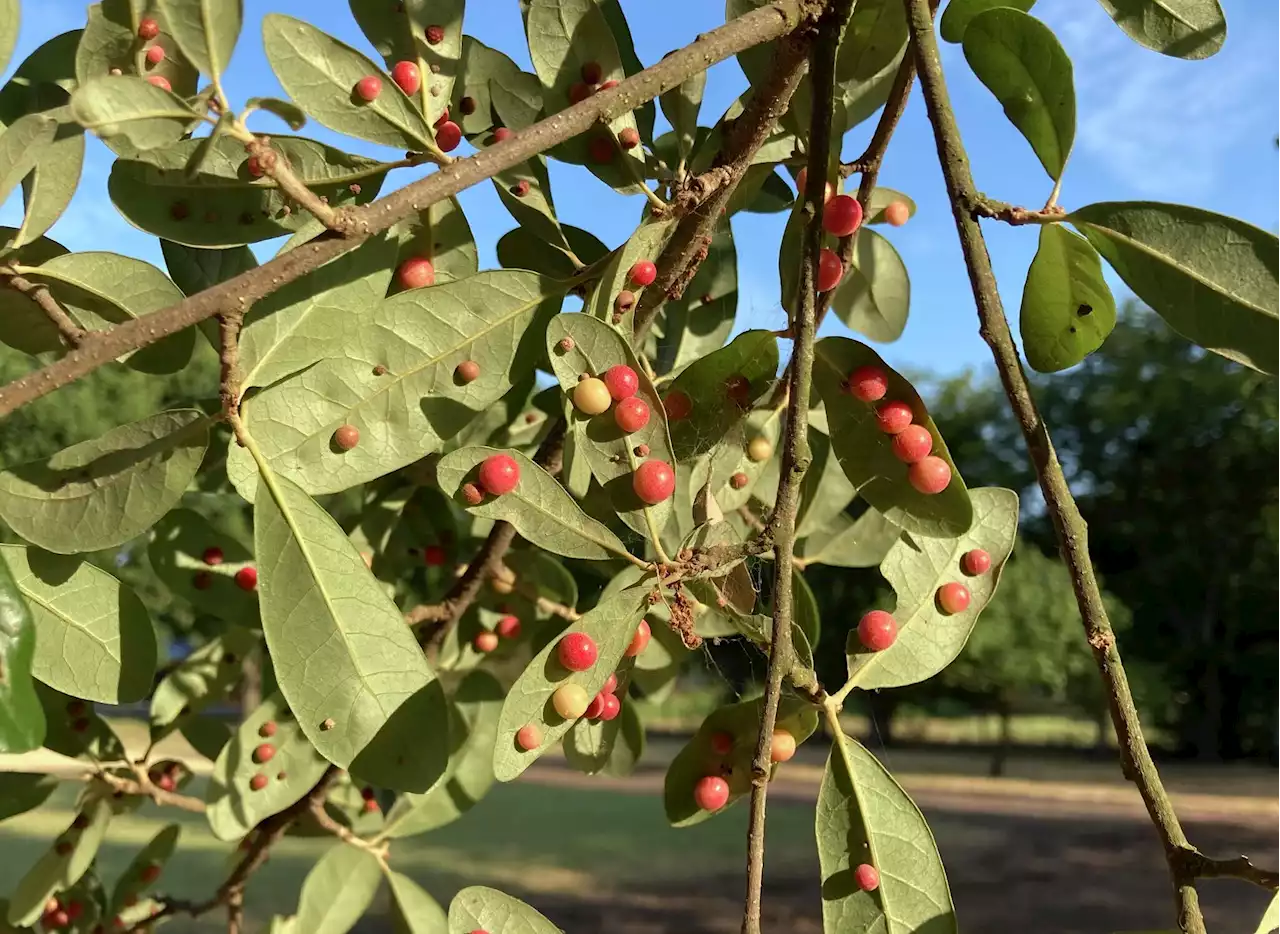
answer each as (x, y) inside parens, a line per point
(953, 598)
(166, 783)
(621, 381)
(739, 480)
(611, 684)
(148, 29)
(830, 270)
(247, 578)
(577, 651)
(897, 213)
(930, 475)
(877, 630)
(258, 782)
(654, 481)
(802, 182)
(912, 444)
(448, 136)
(631, 414)
(722, 743)
(468, 371)
(640, 640)
(501, 134)
(629, 138)
(529, 737)
(254, 167)
(407, 77)
(509, 627)
(264, 752)
(782, 746)
(842, 216)
(711, 793)
(155, 55)
(485, 642)
(416, 272)
(608, 85)
(161, 82)
(678, 406)
(867, 877)
(471, 494)
(894, 416)
(643, 273)
(612, 707)
(975, 562)
(346, 437)
(267, 729)
(58, 919)
(520, 188)
(433, 556)
(368, 88)
(868, 383)
(435, 34)
(592, 72)
(596, 707)
(499, 474)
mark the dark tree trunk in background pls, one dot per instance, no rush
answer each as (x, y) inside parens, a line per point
(1005, 742)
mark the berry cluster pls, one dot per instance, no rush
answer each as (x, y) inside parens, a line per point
(166, 775)
(246, 578)
(59, 914)
(912, 443)
(711, 792)
(499, 474)
(408, 78)
(487, 640)
(148, 30)
(877, 630)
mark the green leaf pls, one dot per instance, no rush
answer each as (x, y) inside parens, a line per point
(320, 74)
(317, 316)
(477, 65)
(1181, 28)
(864, 816)
(441, 234)
(680, 106)
(481, 908)
(344, 658)
(24, 791)
(205, 30)
(753, 356)
(176, 554)
(521, 249)
(54, 871)
(338, 890)
(825, 491)
(804, 607)
(148, 117)
(104, 492)
(202, 678)
(94, 638)
(959, 13)
(21, 146)
(207, 735)
(416, 912)
(873, 40)
(611, 453)
(110, 41)
(48, 190)
(697, 759)
(1270, 918)
(473, 731)
(28, 90)
(1212, 278)
(646, 243)
(10, 15)
(287, 111)
(234, 809)
(539, 507)
(21, 716)
(851, 543)
(612, 624)
(397, 32)
(534, 209)
(1022, 63)
(762, 476)
(866, 453)
(589, 745)
(1067, 309)
(631, 64)
(928, 639)
(74, 728)
(194, 269)
(225, 206)
(874, 296)
(155, 854)
(881, 198)
(699, 321)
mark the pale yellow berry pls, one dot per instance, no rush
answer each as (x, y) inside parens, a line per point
(570, 701)
(759, 449)
(591, 396)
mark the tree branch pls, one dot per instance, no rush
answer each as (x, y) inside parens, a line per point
(1192, 864)
(277, 167)
(38, 292)
(1069, 525)
(795, 442)
(142, 786)
(760, 25)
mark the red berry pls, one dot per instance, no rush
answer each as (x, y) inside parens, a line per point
(629, 138)
(485, 642)
(501, 134)
(592, 72)
(148, 29)
(577, 651)
(739, 480)
(611, 708)
(58, 919)
(435, 34)
(596, 707)
(802, 181)
(407, 77)
(161, 82)
(621, 381)
(912, 444)
(368, 89)
(265, 752)
(601, 150)
(897, 213)
(631, 414)
(975, 562)
(247, 578)
(608, 85)
(509, 627)
(416, 272)
(202, 581)
(868, 383)
(894, 416)
(520, 188)
(722, 743)
(150, 873)
(867, 877)
(444, 116)
(468, 371)
(212, 556)
(654, 481)
(433, 556)
(877, 630)
(74, 910)
(346, 437)
(711, 793)
(254, 167)
(930, 475)
(258, 782)
(166, 783)
(529, 737)
(370, 806)
(579, 91)
(155, 55)
(643, 273)
(448, 136)
(499, 473)
(953, 598)
(677, 405)
(467, 105)
(830, 270)
(267, 729)
(471, 494)
(367, 793)
(640, 640)
(611, 684)
(842, 216)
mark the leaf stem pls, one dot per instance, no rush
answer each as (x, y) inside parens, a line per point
(72, 334)
(1069, 525)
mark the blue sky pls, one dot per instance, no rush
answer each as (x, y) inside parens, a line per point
(1148, 127)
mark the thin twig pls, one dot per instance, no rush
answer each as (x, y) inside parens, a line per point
(72, 334)
(1069, 525)
(142, 786)
(795, 443)
(344, 833)
(760, 25)
(277, 167)
(980, 206)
